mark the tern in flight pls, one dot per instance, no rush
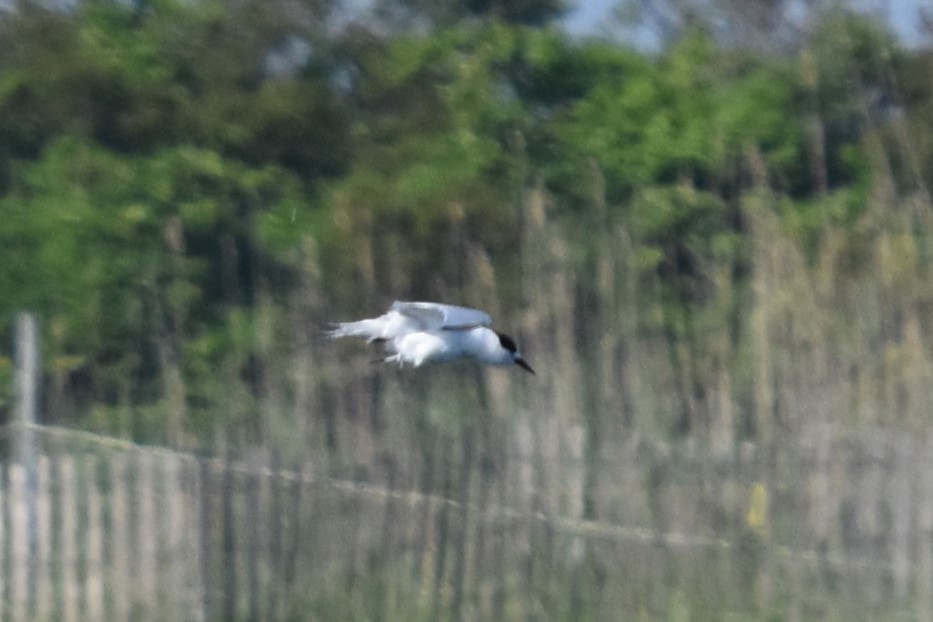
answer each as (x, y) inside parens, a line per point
(415, 333)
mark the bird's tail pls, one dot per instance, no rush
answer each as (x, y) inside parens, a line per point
(371, 329)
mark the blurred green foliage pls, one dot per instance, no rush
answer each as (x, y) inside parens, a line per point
(163, 165)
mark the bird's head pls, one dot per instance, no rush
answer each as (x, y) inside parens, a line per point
(508, 344)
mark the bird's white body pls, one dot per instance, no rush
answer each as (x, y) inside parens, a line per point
(416, 333)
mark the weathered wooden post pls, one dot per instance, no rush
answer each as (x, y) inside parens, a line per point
(27, 397)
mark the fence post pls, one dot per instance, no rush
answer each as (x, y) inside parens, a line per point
(27, 396)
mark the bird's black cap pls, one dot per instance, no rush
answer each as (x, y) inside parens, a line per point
(507, 342)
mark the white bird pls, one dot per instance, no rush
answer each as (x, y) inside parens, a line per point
(416, 333)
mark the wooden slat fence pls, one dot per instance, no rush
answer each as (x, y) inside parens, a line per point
(844, 529)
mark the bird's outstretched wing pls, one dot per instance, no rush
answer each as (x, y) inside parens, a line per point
(437, 316)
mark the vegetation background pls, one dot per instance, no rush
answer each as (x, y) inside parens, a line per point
(716, 253)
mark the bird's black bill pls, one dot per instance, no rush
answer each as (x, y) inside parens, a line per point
(521, 363)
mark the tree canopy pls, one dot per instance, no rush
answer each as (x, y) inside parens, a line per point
(184, 185)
